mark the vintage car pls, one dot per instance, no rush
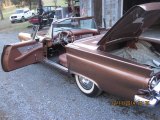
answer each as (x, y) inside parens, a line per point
(46, 19)
(22, 14)
(74, 27)
(121, 62)
(49, 14)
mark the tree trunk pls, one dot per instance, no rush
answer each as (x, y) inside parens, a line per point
(30, 4)
(1, 13)
(72, 7)
(55, 3)
(40, 4)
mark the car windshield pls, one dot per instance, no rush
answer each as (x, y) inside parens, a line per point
(71, 24)
(74, 24)
(19, 11)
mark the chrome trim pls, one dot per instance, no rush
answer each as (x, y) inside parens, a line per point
(156, 91)
(149, 102)
(56, 65)
(153, 79)
(85, 83)
(153, 98)
(75, 73)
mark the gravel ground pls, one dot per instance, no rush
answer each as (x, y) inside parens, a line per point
(39, 92)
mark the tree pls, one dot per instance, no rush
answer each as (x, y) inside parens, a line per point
(16, 2)
(71, 4)
(24, 2)
(1, 13)
(29, 2)
(55, 2)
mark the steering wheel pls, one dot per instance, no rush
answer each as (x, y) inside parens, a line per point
(66, 37)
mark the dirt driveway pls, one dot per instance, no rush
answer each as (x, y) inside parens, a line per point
(39, 92)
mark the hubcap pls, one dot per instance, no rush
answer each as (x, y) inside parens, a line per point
(85, 83)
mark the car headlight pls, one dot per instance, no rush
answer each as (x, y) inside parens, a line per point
(153, 82)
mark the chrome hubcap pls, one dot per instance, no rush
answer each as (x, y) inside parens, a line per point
(85, 83)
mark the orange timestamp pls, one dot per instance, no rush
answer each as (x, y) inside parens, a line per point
(130, 103)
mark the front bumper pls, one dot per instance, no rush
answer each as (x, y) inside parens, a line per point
(15, 19)
(150, 100)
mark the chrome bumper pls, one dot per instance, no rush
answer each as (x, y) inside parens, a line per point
(141, 100)
(151, 100)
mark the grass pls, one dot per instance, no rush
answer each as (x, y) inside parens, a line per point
(5, 26)
(8, 11)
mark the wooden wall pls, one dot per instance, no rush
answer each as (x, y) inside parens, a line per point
(98, 11)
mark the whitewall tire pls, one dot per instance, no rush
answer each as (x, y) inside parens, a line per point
(87, 86)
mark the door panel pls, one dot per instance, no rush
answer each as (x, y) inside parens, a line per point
(21, 54)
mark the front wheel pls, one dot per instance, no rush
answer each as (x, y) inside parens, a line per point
(12, 22)
(23, 19)
(87, 86)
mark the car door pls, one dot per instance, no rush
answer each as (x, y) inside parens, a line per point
(21, 54)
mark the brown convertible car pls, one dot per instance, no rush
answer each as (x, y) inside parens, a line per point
(122, 62)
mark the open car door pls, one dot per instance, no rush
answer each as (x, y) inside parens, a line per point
(21, 54)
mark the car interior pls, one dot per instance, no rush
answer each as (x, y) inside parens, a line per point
(56, 52)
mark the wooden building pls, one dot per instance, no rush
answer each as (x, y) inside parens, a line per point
(108, 10)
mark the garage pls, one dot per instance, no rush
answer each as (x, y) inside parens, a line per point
(108, 12)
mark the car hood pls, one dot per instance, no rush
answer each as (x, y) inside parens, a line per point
(133, 23)
(17, 14)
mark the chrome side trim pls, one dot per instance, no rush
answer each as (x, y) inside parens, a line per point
(56, 65)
